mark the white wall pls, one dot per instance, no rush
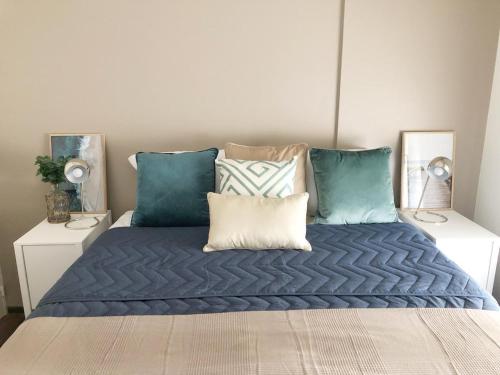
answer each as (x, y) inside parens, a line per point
(487, 211)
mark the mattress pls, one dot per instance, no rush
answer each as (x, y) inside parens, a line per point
(162, 271)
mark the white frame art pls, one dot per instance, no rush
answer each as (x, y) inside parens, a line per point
(418, 149)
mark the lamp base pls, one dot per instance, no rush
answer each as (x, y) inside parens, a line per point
(82, 222)
(441, 218)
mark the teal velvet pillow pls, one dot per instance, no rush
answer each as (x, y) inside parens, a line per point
(353, 187)
(172, 188)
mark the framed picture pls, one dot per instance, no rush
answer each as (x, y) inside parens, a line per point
(91, 148)
(419, 148)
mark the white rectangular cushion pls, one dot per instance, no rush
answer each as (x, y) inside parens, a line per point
(312, 204)
(257, 223)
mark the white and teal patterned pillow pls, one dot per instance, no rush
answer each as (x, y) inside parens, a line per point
(258, 178)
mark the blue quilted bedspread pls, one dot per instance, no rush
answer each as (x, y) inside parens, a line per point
(138, 271)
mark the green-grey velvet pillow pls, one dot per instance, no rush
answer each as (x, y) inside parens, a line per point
(172, 188)
(354, 187)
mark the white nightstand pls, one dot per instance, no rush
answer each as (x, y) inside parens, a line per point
(468, 244)
(46, 251)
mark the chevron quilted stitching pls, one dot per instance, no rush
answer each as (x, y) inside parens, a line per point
(261, 178)
(213, 305)
(163, 271)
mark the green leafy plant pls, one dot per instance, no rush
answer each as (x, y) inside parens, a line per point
(52, 171)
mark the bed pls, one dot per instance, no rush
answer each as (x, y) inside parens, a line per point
(369, 299)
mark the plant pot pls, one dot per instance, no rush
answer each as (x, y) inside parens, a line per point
(57, 206)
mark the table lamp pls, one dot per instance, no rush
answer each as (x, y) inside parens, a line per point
(77, 171)
(439, 168)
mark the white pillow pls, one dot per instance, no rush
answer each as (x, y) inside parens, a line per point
(257, 177)
(133, 161)
(257, 223)
(312, 203)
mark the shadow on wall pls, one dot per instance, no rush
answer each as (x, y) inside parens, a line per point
(3, 306)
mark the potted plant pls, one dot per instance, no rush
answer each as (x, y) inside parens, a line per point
(52, 171)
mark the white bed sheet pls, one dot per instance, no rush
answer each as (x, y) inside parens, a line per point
(126, 218)
(123, 221)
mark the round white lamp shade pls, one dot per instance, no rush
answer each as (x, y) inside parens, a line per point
(440, 168)
(77, 171)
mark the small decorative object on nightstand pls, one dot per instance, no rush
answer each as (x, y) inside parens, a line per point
(46, 251)
(466, 243)
(57, 200)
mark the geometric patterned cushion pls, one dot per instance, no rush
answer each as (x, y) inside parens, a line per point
(257, 177)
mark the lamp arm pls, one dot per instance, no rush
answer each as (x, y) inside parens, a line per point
(422, 196)
(443, 219)
(82, 217)
(82, 199)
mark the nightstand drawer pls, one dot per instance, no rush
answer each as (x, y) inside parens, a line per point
(44, 266)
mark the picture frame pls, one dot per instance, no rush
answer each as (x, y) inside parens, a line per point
(90, 147)
(418, 148)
